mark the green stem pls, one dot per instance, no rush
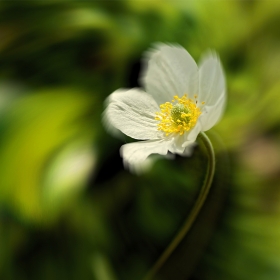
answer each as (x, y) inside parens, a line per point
(194, 211)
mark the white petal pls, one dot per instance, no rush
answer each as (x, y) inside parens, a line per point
(170, 70)
(132, 112)
(212, 90)
(135, 155)
(176, 146)
(212, 114)
(181, 142)
(189, 150)
(192, 135)
(212, 85)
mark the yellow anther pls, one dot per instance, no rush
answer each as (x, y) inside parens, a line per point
(178, 117)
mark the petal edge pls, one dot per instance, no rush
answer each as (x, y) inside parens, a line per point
(132, 112)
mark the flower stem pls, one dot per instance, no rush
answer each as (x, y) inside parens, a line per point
(194, 211)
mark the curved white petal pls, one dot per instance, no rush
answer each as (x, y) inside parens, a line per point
(212, 90)
(188, 150)
(132, 112)
(189, 137)
(194, 132)
(170, 70)
(176, 145)
(212, 85)
(135, 155)
(181, 142)
(211, 115)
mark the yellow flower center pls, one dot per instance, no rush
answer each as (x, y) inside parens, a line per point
(179, 116)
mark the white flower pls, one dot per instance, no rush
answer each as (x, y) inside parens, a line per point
(181, 100)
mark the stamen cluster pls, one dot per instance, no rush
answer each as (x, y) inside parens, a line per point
(179, 116)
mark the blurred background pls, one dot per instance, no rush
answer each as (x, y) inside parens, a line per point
(68, 208)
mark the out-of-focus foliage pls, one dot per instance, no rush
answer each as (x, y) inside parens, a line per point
(68, 209)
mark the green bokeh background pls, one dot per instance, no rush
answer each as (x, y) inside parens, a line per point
(68, 209)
